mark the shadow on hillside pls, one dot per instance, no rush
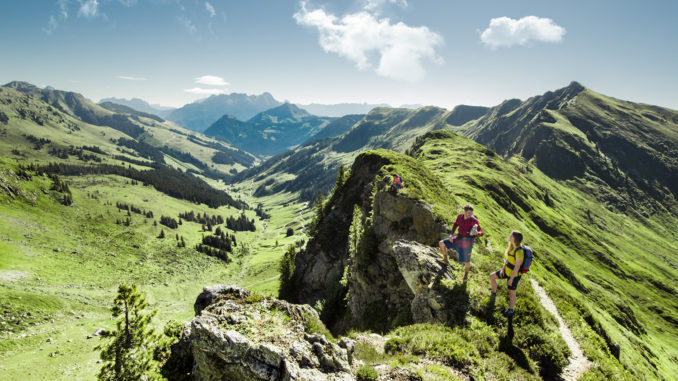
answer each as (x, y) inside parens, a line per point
(458, 300)
(517, 354)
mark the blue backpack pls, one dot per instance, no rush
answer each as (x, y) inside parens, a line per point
(527, 262)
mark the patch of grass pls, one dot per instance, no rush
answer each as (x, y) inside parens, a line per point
(367, 373)
(312, 324)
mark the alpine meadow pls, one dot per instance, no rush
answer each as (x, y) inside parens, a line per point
(308, 190)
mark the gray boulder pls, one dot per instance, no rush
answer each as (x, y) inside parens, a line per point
(239, 335)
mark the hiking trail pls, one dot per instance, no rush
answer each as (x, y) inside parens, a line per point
(578, 363)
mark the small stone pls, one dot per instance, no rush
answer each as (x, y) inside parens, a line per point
(50, 340)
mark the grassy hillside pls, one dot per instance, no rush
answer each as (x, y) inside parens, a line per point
(66, 119)
(61, 260)
(623, 152)
(593, 262)
(60, 265)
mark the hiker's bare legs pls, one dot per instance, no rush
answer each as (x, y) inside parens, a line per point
(468, 267)
(443, 250)
(512, 298)
(493, 282)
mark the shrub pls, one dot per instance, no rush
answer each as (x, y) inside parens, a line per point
(367, 373)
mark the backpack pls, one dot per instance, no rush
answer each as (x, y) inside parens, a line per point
(527, 262)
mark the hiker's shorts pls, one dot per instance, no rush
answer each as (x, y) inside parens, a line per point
(516, 280)
(463, 246)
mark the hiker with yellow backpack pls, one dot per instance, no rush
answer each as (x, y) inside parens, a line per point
(518, 258)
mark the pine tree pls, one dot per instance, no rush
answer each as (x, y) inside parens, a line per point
(287, 267)
(341, 178)
(128, 352)
(162, 234)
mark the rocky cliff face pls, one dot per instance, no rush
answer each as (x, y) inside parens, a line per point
(239, 335)
(391, 281)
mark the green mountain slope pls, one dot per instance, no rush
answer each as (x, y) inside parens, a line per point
(67, 119)
(336, 127)
(270, 132)
(121, 109)
(626, 153)
(594, 262)
(66, 242)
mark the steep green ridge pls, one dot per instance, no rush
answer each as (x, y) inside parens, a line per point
(270, 132)
(608, 273)
(626, 153)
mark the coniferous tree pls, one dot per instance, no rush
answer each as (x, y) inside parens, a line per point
(162, 234)
(128, 352)
(286, 267)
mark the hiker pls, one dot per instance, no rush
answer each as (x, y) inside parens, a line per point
(512, 270)
(397, 182)
(469, 228)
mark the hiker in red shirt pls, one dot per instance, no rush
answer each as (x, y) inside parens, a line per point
(469, 228)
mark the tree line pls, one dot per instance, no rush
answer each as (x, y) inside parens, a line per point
(241, 223)
(204, 218)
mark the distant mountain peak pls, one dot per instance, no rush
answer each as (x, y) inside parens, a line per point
(574, 85)
(22, 86)
(286, 111)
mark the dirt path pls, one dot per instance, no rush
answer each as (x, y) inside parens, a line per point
(578, 362)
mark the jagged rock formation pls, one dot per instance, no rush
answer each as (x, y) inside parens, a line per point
(240, 335)
(391, 282)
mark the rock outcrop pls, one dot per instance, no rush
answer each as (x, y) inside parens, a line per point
(381, 285)
(240, 335)
(400, 285)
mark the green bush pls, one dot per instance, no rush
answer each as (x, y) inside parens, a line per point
(367, 373)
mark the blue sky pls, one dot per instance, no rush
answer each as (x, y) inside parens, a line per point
(445, 53)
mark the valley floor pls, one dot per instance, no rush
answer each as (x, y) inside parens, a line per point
(60, 268)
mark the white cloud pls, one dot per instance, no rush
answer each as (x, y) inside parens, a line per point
(202, 91)
(63, 8)
(210, 9)
(52, 24)
(128, 78)
(188, 24)
(401, 49)
(88, 8)
(505, 31)
(211, 80)
(372, 5)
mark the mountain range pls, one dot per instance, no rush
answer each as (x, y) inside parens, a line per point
(199, 115)
(89, 189)
(269, 132)
(139, 105)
